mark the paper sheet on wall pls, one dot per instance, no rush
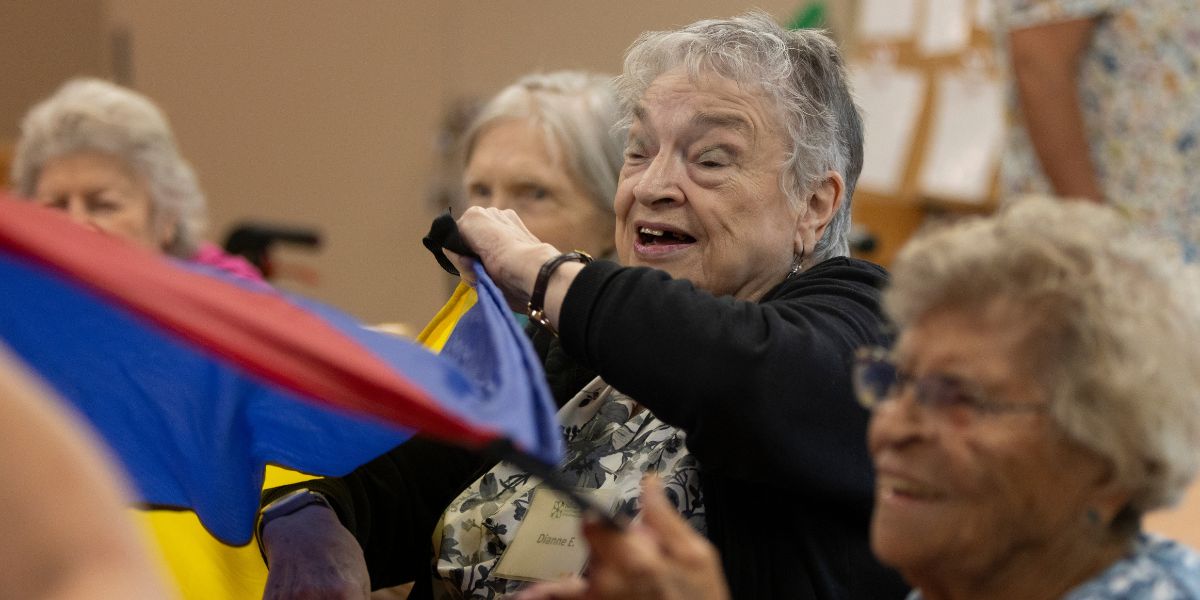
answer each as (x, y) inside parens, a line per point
(891, 102)
(887, 19)
(966, 138)
(985, 14)
(946, 28)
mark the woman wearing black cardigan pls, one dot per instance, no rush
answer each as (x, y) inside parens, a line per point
(734, 320)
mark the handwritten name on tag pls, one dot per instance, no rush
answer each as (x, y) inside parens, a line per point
(548, 544)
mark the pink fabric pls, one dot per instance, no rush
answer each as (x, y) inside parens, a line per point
(212, 255)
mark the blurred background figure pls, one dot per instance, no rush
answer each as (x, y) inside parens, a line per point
(445, 186)
(1042, 397)
(106, 156)
(547, 147)
(66, 533)
(1105, 107)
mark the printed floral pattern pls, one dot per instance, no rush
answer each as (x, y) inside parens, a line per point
(611, 443)
(1138, 85)
(1156, 569)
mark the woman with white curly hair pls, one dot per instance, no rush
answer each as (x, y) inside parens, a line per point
(1043, 395)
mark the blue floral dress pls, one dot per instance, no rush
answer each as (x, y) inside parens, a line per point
(1156, 569)
(1139, 89)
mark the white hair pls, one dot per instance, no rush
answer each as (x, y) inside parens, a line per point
(801, 72)
(577, 112)
(1114, 321)
(92, 115)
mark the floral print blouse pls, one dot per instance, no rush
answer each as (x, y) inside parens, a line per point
(611, 443)
(1156, 569)
(1139, 87)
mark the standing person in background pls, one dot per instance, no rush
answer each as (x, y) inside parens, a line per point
(1105, 107)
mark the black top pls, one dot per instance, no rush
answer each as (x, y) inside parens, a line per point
(762, 391)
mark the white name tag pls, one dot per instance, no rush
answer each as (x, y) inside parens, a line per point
(548, 545)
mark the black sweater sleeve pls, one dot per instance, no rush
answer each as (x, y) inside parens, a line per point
(761, 389)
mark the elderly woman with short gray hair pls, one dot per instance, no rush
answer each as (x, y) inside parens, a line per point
(106, 156)
(722, 339)
(546, 147)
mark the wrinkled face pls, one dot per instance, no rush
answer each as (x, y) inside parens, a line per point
(511, 168)
(699, 195)
(959, 497)
(99, 191)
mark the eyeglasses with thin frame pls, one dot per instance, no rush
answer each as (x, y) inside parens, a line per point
(877, 380)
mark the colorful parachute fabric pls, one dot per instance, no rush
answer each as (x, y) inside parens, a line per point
(198, 382)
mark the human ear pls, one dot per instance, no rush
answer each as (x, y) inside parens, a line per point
(166, 232)
(1108, 497)
(817, 211)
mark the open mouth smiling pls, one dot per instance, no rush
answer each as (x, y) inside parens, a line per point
(650, 236)
(901, 488)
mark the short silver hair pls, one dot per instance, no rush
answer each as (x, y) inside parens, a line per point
(577, 112)
(1114, 321)
(800, 71)
(92, 115)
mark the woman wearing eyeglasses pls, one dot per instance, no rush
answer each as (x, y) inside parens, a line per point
(1043, 394)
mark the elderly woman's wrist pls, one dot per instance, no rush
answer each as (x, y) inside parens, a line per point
(557, 271)
(531, 264)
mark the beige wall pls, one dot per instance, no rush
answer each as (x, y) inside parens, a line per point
(324, 113)
(306, 113)
(45, 42)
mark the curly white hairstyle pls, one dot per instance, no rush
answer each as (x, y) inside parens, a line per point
(92, 115)
(1114, 321)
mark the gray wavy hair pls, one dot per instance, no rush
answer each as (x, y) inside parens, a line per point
(577, 112)
(800, 71)
(92, 115)
(1114, 318)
